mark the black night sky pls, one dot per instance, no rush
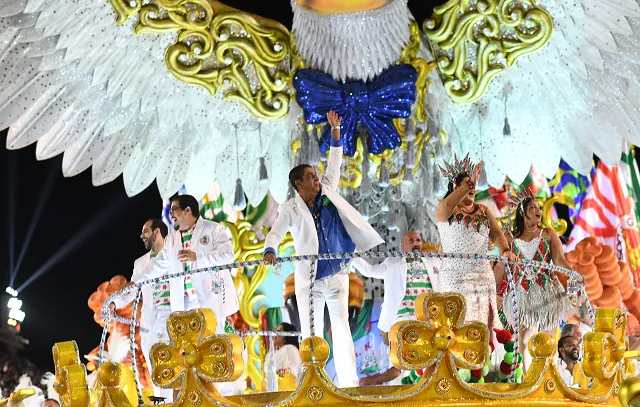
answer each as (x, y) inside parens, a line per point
(56, 303)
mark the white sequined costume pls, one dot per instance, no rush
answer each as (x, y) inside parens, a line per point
(473, 278)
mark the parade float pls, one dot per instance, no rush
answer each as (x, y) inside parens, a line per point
(219, 103)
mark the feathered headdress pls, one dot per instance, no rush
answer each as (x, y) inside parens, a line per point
(464, 166)
(517, 198)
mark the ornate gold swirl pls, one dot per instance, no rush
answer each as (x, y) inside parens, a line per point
(221, 48)
(472, 44)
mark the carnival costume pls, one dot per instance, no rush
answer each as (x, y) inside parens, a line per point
(468, 234)
(540, 297)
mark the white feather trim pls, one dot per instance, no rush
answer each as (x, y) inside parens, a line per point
(352, 46)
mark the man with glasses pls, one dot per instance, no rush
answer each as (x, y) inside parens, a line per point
(196, 243)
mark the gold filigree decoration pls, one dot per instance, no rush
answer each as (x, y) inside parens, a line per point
(315, 393)
(434, 309)
(443, 385)
(549, 386)
(217, 349)
(194, 324)
(71, 376)
(164, 355)
(473, 43)
(440, 336)
(474, 335)
(195, 398)
(192, 364)
(220, 48)
(471, 355)
(450, 308)
(411, 336)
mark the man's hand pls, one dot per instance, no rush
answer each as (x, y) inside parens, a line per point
(385, 337)
(368, 381)
(187, 256)
(334, 121)
(282, 372)
(269, 259)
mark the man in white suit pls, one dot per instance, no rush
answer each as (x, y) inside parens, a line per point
(321, 221)
(152, 321)
(196, 243)
(404, 281)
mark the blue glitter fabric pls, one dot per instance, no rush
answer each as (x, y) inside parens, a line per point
(374, 104)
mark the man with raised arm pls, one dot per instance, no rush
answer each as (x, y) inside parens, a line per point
(321, 221)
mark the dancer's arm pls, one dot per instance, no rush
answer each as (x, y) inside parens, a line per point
(448, 204)
(557, 253)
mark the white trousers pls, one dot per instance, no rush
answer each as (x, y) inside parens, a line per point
(333, 291)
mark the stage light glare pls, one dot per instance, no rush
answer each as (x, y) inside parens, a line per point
(17, 314)
(14, 303)
(12, 322)
(11, 291)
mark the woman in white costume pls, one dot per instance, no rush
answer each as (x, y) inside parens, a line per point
(467, 228)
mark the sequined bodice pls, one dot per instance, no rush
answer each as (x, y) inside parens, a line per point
(464, 235)
(528, 250)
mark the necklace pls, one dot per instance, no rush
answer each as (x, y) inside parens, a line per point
(535, 229)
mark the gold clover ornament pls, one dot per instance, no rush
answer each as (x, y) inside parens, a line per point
(195, 357)
(440, 332)
(71, 375)
(604, 351)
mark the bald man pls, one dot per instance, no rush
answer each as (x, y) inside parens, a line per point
(404, 281)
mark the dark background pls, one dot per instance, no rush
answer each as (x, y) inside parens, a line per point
(56, 303)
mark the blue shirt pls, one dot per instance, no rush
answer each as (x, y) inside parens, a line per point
(332, 235)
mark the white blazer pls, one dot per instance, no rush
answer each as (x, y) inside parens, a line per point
(294, 216)
(147, 319)
(212, 244)
(394, 273)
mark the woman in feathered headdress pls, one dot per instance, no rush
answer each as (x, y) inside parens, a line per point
(467, 227)
(540, 297)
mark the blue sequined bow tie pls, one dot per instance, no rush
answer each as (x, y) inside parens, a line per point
(374, 104)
